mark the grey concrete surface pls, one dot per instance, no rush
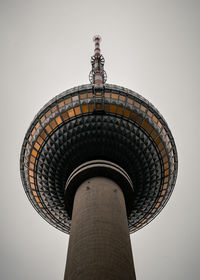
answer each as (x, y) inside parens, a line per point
(99, 243)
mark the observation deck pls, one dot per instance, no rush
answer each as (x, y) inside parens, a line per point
(99, 122)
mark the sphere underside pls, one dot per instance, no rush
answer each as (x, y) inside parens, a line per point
(104, 122)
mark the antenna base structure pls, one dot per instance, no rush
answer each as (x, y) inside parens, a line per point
(97, 74)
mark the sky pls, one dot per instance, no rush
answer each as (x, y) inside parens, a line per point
(151, 47)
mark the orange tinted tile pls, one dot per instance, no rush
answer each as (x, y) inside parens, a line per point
(149, 114)
(98, 106)
(77, 110)
(32, 186)
(40, 140)
(143, 108)
(68, 100)
(107, 94)
(43, 134)
(161, 146)
(42, 119)
(166, 179)
(106, 107)
(31, 165)
(165, 159)
(155, 119)
(48, 113)
(31, 173)
(31, 179)
(37, 125)
(32, 159)
(122, 98)
(166, 172)
(48, 129)
(127, 113)
(166, 165)
(130, 101)
(144, 124)
(163, 153)
(84, 108)
(163, 192)
(83, 96)
(30, 137)
(64, 116)
(113, 108)
(71, 113)
(75, 98)
(114, 96)
(53, 109)
(136, 104)
(37, 199)
(149, 128)
(90, 95)
(165, 186)
(153, 134)
(139, 225)
(53, 124)
(139, 119)
(133, 116)
(119, 110)
(58, 120)
(158, 140)
(34, 153)
(91, 107)
(33, 131)
(61, 104)
(36, 146)
(159, 124)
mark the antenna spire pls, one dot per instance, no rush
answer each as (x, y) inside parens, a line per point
(97, 74)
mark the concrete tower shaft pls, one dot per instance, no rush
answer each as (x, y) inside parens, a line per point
(99, 245)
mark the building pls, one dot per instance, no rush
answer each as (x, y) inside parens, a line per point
(106, 153)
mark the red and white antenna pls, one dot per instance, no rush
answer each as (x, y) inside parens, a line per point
(97, 74)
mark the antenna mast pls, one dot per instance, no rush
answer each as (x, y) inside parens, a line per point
(97, 74)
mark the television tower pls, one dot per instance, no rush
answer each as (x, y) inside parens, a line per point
(99, 162)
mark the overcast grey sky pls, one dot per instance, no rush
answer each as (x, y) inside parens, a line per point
(151, 47)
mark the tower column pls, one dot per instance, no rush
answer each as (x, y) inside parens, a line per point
(99, 244)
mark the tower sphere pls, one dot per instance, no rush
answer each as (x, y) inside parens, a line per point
(93, 122)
